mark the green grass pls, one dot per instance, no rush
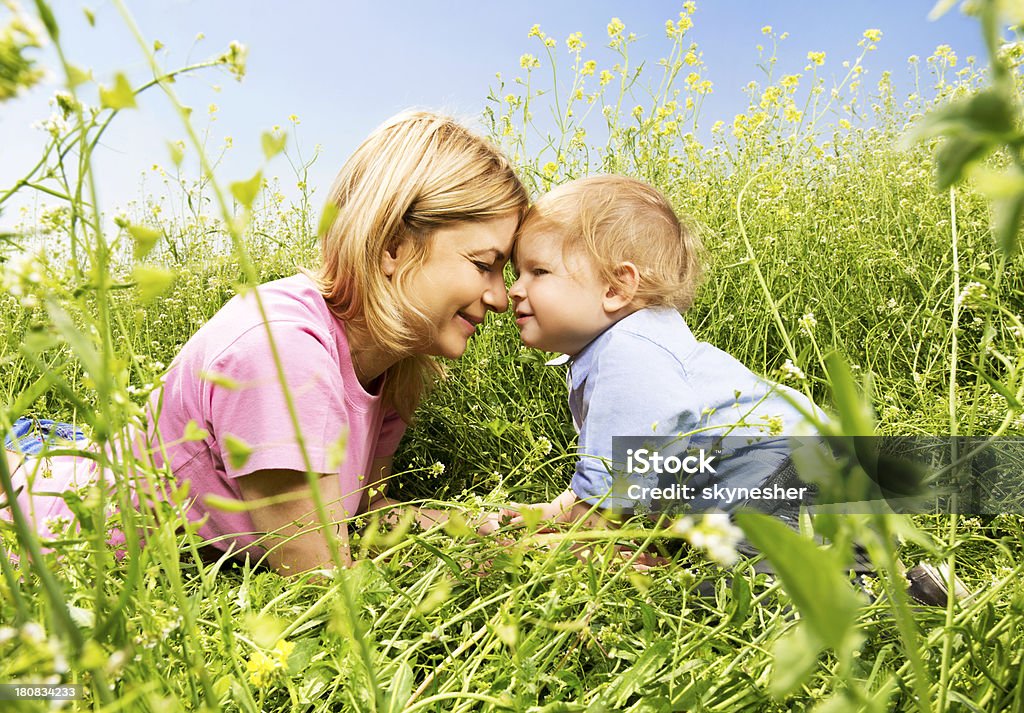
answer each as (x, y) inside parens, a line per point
(841, 220)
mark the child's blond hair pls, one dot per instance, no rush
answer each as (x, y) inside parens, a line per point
(418, 172)
(616, 219)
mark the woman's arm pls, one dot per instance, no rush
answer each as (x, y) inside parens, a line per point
(290, 516)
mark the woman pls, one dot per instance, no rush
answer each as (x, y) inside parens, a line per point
(314, 377)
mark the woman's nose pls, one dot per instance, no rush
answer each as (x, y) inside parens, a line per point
(495, 296)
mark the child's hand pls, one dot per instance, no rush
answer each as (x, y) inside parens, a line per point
(491, 522)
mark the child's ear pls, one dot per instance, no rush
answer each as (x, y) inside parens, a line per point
(621, 292)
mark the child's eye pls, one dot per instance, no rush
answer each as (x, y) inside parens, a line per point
(538, 271)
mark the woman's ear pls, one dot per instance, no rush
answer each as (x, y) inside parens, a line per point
(621, 292)
(389, 260)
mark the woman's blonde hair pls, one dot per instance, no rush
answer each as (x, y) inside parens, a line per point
(616, 219)
(416, 173)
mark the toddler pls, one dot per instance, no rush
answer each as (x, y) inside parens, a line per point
(604, 269)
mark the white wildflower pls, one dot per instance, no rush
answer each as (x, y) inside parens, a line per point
(715, 534)
(791, 372)
(972, 295)
(808, 323)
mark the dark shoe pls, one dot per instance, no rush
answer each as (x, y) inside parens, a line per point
(927, 585)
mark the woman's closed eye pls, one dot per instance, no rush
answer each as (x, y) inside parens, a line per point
(483, 266)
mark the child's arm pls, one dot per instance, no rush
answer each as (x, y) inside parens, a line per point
(568, 507)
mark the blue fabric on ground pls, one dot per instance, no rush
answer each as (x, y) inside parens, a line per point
(31, 435)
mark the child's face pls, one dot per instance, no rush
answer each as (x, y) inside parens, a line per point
(559, 299)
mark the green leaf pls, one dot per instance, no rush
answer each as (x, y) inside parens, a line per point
(988, 114)
(327, 216)
(998, 184)
(740, 603)
(49, 22)
(238, 450)
(1006, 217)
(90, 16)
(80, 343)
(273, 143)
(855, 415)
(217, 502)
(955, 155)
(497, 426)
(794, 655)
(245, 192)
(638, 676)
(145, 239)
(152, 281)
(176, 151)
(456, 526)
(225, 382)
(78, 76)
(193, 432)
(179, 494)
(264, 629)
(814, 578)
(119, 96)
(1003, 390)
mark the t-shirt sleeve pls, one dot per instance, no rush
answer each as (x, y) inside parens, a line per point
(634, 388)
(391, 431)
(252, 428)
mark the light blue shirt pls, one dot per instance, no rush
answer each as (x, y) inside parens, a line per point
(648, 376)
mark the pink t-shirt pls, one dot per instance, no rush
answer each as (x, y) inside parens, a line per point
(225, 380)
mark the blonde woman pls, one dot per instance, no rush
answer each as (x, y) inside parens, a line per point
(321, 374)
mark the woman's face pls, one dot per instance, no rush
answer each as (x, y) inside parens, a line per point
(460, 279)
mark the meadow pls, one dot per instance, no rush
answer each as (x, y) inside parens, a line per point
(834, 264)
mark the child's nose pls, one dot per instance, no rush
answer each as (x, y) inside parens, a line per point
(516, 292)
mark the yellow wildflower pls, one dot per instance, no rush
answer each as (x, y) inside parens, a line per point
(615, 27)
(770, 97)
(766, 30)
(793, 114)
(606, 77)
(575, 42)
(872, 35)
(690, 58)
(528, 61)
(817, 58)
(262, 667)
(588, 67)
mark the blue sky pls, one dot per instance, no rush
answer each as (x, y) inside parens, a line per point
(343, 67)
